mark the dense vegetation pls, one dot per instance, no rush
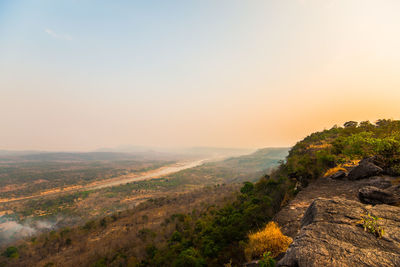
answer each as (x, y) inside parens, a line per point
(320, 151)
(216, 237)
(195, 229)
(121, 239)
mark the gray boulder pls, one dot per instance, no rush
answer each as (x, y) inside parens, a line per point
(330, 236)
(338, 175)
(373, 195)
(364, 169)
(379, 181)
(377, 160)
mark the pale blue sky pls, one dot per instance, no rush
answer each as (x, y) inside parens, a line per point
(77, 75)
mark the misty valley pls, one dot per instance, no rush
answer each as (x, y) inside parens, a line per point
(43, 192)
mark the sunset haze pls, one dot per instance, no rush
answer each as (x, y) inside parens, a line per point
(81, 75)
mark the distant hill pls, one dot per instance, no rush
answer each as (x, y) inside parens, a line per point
(70, 156)
(190, 151)
(85, 156)
(248, 167)
(19, 152)
(124, 153)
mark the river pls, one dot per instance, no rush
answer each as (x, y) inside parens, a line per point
(148, 175)
(124, 179)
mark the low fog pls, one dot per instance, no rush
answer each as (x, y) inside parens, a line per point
(11, 230)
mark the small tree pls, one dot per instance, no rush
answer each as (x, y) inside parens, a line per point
(366, 125)
(11, 252)
(350, 124)
(247, 188)
(189, 258)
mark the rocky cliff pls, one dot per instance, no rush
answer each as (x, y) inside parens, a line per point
(325, 221)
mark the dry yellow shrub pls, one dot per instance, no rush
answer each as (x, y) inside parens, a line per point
(333, 171)
(351, 163)
(342, 167)
(319, 146)
(269, 239)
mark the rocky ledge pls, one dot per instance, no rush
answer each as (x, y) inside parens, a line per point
(324, 219)
(330, 235)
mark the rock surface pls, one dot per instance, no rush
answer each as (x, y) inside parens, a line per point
(289, 218)
(338, 175)
(330, 236)
(380, 181)
(252, 264)
(365, 169)
(374, 195)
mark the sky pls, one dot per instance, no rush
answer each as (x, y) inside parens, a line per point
(79, 75)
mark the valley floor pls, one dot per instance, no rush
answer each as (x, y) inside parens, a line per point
(123, 179)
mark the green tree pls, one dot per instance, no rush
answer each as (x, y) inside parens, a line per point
(189, 258)
(11, 252)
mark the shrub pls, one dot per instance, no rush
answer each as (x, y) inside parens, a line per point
(247, 188)
(395, 170)
(11, 252)
(151, 251)
(176, 237)
(100, 263)
(103, 222)
(370, 224)
(269, 239)
(267, 260)
(189, 258)
(89, 225)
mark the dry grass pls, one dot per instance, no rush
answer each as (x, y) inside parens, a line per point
(319, 146)
(342, 167)
(269, 239)
(350, 163)
(333, 171)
